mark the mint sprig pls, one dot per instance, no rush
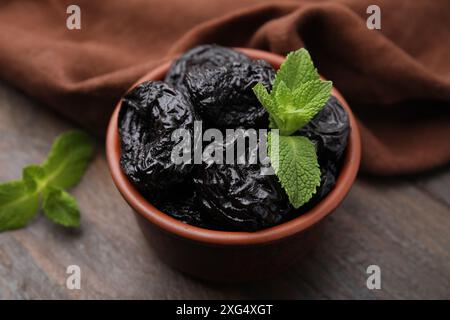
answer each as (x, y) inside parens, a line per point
(298, 94)
(63, 168)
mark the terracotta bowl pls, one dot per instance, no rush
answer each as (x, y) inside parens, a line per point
(231, 256)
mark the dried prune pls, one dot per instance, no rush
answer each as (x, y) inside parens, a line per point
(239, 197)
(205, 56)
(329, 130)
(148, 116)
(223, 95)
(181, 203)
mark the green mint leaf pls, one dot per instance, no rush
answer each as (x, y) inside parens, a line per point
(284, 98)
(60, 207)
(303, 104)
(268, 102)
(311, 97)
(18, 204)
(68, 159)
(295, 163)
(297, 69)
(264, 97)
(34, 176)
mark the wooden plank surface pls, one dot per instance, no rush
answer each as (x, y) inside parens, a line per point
(402, 225)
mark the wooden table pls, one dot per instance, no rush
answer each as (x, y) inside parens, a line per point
(401, 225)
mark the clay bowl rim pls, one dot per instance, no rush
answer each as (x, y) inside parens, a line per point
(236, 238)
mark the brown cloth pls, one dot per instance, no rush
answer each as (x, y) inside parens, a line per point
(397, 79)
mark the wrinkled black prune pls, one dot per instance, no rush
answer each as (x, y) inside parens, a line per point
(181, 203)
(329, 131)
(239, 197)
(204, 56)
(223, 95)
(148, 116)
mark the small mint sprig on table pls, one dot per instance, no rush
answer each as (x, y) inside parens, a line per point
(64, 167)
(298, 94)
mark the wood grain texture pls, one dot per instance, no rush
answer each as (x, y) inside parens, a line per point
(402, 225)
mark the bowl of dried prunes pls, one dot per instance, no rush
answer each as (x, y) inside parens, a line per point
(231, 158)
